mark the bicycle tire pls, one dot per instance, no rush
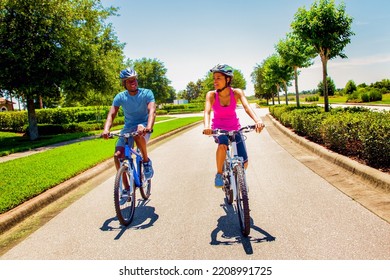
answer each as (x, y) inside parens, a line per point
(226, 183)
(242, 200)
(227, 189)
(145, 189)
(124, 210)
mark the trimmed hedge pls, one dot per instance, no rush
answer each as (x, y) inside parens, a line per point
(17, 121)
(183, 108)
(352, 131)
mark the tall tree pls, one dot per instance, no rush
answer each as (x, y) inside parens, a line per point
(295, 53)
(276, 73)
(152, 75)
(261, 90)
(328, 29)
(193, 90)
(350, 87)
(48, 45)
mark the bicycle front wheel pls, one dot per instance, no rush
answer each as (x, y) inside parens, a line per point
(227, 187)
(146, 186)
(124, 199)
(242, 200)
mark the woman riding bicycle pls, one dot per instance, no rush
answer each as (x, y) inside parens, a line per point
(223, 102)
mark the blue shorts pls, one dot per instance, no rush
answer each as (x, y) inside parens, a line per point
(121, 140)
(241, 147)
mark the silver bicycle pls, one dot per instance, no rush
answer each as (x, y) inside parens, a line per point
(235, 186)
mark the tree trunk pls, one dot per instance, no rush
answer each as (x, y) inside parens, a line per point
(324, 61)
(278, 90)
(285, 91)
(40, 102)
(296, 85)
(32, 119)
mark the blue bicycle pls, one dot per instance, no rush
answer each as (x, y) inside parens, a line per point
(129, 177)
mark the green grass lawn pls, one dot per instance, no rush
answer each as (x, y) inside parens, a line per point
(24, 178)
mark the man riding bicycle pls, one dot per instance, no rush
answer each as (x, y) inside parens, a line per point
(223, 101)
(139, 108)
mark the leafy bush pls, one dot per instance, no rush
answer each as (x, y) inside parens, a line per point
(375, 95)
(341, 133)
(312, 98)
(367, 94)
(18, 121)
(351, 131)
(375, 137)
(13, 121)
(183, 108)
(365, 97)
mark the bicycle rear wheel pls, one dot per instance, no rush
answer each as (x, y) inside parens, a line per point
(124, 204)
(242, 200)
(146, 187)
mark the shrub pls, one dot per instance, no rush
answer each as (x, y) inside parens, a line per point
(375, 137)
(18, 121)
(351, 131)
(340, 133)
(365, 97)
(375, 95)
(312, 98)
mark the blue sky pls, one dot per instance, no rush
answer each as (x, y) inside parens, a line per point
(191, 36)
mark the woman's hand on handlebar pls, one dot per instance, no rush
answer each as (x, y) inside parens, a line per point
(259, 126)
(207, 131)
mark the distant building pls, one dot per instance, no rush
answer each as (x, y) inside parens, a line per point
(180, 101)
(6, 105)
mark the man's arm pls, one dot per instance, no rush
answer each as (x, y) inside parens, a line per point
(110, 118)
(151, 116)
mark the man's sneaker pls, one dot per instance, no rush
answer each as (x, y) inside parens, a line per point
(218, 181)
(124, 197)
(148, 170)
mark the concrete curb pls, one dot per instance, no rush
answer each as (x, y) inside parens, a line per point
(21, 212)
(369, 174)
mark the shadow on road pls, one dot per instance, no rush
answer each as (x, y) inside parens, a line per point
(230, 230)
(144, 217)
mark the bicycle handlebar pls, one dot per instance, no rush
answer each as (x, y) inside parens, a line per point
(127, 135)
(245, 129)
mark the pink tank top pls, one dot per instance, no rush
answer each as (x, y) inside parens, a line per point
(225, 117)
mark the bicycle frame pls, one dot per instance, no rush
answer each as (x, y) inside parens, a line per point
(133, 171)
(231, 154)
(233, 159)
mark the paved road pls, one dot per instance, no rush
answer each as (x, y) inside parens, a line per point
(296, 214)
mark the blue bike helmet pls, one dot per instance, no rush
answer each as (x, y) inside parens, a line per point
(127, 74)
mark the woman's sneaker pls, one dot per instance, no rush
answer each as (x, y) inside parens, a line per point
(148, 170)
(218, 181)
